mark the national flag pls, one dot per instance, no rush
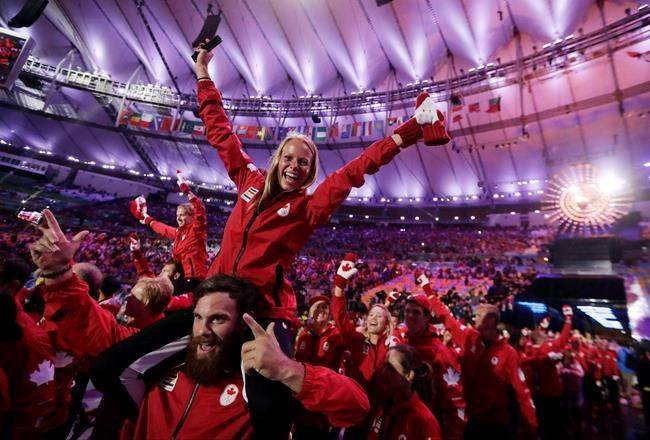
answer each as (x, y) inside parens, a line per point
(321, 134)
(640, 55)
(494, 105)
(366, 128)
(391, 121)
(165, 124)
(188, 127)
(355, 129)
(457, 108)
(241, 130)
(199, 129)
(265, 133)
(346, 131)
(474, 107)
(134, 121)
(124, 117)
(282, 132)
(457, 118)
(309, 131)
(145, 121)
(334, 130)
(378, 126)
(251, 132)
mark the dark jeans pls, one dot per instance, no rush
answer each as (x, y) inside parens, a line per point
(476, 430)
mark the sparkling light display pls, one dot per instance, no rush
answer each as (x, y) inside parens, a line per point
(582, 201)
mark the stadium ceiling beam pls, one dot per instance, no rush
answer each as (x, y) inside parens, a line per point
(374, 31)
(58, 16)
(277, 57)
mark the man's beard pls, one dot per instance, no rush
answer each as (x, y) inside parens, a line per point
(208, 369)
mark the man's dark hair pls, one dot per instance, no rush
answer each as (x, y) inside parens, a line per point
(178, 268)
(240, 290)
(110, 286)
(14, 268)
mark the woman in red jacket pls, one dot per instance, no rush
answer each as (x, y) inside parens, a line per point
(398, 392)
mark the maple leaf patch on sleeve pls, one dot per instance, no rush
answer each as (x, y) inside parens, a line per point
(43, 374)
(452, 377)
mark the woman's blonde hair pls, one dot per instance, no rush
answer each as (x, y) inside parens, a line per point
(187, 207)
(389, 325)
(272, 185)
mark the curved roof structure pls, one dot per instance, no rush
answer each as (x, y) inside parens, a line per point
(543, 84)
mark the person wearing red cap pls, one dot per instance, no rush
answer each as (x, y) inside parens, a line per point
(447, 404)
(190, 237)
(490, 371)
(319, 342)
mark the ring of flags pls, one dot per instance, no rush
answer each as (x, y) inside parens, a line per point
(319, 133)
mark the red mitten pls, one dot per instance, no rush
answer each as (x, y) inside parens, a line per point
(182, 183)
(138, 208)
(346, 270)
(432, 121)
(410, 132)
(392, 297)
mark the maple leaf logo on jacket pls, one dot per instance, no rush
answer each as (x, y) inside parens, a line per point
(452, 377)
(62, 359)
(43, 374)
(284, 211)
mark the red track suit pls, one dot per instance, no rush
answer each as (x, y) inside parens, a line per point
(366, 357)
(189, 241)
(549, 380)
(220, 411)
(489, 373)
(261, 245)
(29, 369)
(324, 349)
(448, 403)
(79, 328)
(410, 420)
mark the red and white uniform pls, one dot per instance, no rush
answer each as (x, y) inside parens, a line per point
(410, 420)
(324, 349)
(189, 241)
(220, 411)
(448, 402)
(366, 358)
(79, 330)
(489, 373)
(29, 371)
(256, 241)
(547, 363)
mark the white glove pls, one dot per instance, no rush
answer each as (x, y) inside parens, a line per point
(421, 278)
(426, 113)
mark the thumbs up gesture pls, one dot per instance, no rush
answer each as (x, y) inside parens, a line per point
(264, 355)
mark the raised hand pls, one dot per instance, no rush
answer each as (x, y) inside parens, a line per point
(346, 270)
(432, 121)
(202, 61)
(138, 208)
(54, 251)
(134, 242)
(182, 183)
(421, 278)
(567, 311)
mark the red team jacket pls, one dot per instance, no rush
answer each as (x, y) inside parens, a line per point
(549, 381)
(366, 358)
(189, 241)
(448, 402)
(29, 369)
(324, 349)
(489, 373)
(410, 420)
(261, 245)
(180, 406)
(79, 329)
